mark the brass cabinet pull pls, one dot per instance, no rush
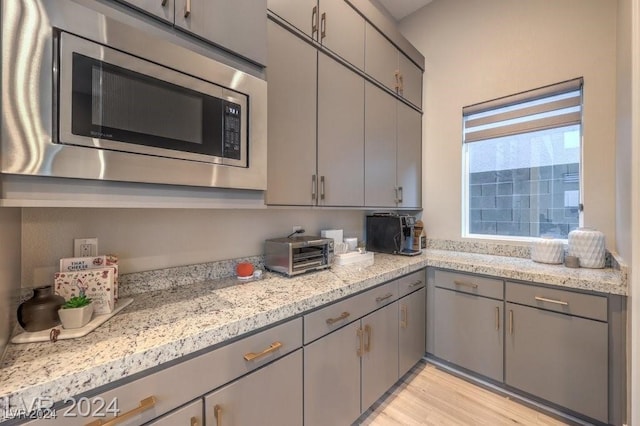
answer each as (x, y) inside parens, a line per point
(396, 198)
(217, 413)
(344, 315)
(497, 318)
(322, 187)
(323, 26)
(145, 404)
(385, 297)
(367, 343)
(401, 195)
(401, 85)
(314, 187)
(416, 284)
(187, 9)
(557, 302)
(314, 21)
(511, 322)
(194, 421)
(360, 350)
(404, 315)
(397, 75)
(163, 3)
(251, 356)
(465, 284)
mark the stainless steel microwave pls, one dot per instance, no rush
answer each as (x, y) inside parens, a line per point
(98, 93)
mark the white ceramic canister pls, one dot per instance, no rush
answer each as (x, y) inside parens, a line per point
(547, 250)
(587, 245)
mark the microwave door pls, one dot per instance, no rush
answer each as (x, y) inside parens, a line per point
(111, 100)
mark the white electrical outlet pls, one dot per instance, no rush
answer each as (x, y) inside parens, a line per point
(85, 247)
(296, 228)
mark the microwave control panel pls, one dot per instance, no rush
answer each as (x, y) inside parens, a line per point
(232, 127)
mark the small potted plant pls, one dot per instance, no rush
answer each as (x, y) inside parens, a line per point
(76, 312)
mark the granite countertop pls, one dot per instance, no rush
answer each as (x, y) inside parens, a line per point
(164, 325)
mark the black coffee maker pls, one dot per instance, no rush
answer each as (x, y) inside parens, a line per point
(391, 233)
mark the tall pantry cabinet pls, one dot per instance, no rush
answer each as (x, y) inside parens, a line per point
(322, 148)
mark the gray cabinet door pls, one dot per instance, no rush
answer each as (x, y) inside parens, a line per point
(332, 378)
(468, 332)
(342, 31)
(239, 26)
(557, 357)
(155, 7)
(291, 119)
(340, 134)
(380, 58)
(412, 334)
(189, 415)
(299, 13)
(411, 84)
(379, 148)
(269, 396)
(409, 156)
(380, 358)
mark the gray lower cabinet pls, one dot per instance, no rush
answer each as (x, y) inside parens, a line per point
(380, 355)
(559, 357)
(412, 333)
(468, 331)
(190, 415)
(332, 378)
(269, 396)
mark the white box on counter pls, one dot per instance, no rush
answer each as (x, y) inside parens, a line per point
(97, 284)
(72, 264)
(354, 258)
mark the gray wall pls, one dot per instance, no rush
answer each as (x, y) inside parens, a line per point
(10, 243)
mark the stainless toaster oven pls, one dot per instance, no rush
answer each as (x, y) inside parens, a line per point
(297, 255)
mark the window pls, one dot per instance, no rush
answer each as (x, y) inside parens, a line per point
(522, 164)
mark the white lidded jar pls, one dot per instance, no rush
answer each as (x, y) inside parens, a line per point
(587, 244)
(547, 250)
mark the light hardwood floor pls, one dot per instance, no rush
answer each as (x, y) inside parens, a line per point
(430, 396)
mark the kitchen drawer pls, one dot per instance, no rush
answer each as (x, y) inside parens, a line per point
(410, 283)
(183, 382)
(472, 284)
(189, 415)
(568, 302)
(334, 316)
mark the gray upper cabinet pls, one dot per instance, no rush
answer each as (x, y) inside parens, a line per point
(158, 8)
(292, 119)
(239, 26)
(409, 157)
(302, 14)
(341, 30)
(332, 23)
(380, 148)
(381, 58)
(393, 151)
(340, 135)
(410, 80)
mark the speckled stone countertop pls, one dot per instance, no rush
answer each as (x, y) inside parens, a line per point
(165, 324)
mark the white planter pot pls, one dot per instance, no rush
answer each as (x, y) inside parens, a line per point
(588, 245)
(547, 250)
(76, 317)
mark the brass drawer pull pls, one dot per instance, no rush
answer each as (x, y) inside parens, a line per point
(344, 315)
(416, 284)
(385, 297)
(217, 413)
(251, 356)
(511, 322)
(497, 318)
(404, 315)
(194, 421)
(145, 404)
(465, 284)
(557, 302)
(367, 343)
(360, 350)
